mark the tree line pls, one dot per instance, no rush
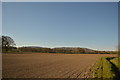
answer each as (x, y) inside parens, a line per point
(62, 50)
(8, 45)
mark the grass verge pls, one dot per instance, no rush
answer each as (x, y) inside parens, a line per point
(107, 67)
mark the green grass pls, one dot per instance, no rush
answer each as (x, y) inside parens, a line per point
(98, 69)
(116, 62)
(106, 67)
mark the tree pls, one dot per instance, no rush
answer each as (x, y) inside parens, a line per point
(7, 43)
(119, 50)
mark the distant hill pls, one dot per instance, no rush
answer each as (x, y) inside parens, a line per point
(86, 50)
(63, 50)
(33, 46)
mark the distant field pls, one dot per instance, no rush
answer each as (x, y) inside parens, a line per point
(49, 65)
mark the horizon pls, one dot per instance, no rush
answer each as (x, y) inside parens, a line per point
(64, 47)
(91, 25)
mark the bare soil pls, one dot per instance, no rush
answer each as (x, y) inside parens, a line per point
(49, 65)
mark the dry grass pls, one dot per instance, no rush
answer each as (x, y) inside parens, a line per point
(46, 65)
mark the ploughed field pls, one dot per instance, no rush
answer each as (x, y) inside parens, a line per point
(49, 65)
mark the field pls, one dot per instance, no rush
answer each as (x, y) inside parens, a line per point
(49, 65)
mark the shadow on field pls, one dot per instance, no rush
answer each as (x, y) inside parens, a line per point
(115, 69)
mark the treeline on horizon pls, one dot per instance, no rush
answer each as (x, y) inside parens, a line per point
(67, 50)
(8, 45)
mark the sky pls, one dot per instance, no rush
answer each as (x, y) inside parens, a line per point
(60, 0)
(62, 24)
(0, 19)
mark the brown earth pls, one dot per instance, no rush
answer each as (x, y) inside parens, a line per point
(49, 65)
